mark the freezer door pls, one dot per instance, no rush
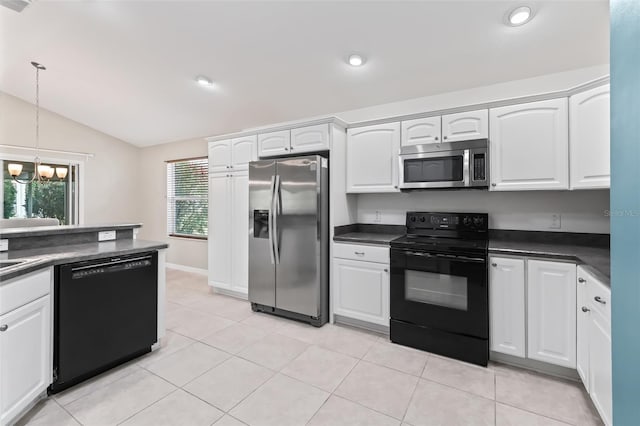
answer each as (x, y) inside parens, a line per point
(298, 235)
(262, 274)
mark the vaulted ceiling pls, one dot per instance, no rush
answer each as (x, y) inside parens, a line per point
(127, 68)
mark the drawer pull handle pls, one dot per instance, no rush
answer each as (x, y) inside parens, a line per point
(359, 253)
(494, 265)
(582, 280)
(386, 270)
(4, 327)
(599, 300)
(585, 309)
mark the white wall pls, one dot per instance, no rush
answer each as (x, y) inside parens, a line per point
(153, 201)
(111, 176)
(580, 211)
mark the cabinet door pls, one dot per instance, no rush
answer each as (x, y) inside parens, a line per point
(583, 319)
(243, 151)
(600, 366)
(219, 238)
(361, 290)
(25, 356)
(372, 158)
(421, 131)
(551, 291)
(240, 233)
(590, 139)
(507, 306)
(219, 156)
(465, 126)
(311, 138)
(274, 143)
(530, 146)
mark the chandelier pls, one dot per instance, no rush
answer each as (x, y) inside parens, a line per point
(41, 172)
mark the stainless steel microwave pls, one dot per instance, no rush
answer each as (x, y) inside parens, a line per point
(463, 164)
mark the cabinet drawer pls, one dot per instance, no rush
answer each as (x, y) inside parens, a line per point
(598, 291)
(24, 289)
(378, 254)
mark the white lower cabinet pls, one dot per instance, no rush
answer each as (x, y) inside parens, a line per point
(532, 309)
(26, 360)
(594, 342)
(551, 293)
(507, 306)
(360, 289)
(228, 237)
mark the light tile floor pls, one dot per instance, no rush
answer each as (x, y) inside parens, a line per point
(222, 364)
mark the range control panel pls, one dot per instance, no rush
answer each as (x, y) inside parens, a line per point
(475, 222)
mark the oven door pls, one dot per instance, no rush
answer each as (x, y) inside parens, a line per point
(442, 291)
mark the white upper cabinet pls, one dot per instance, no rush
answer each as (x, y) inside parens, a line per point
(243, 151)
(590, 138)
(274, 143)
(530, 146)
(465, 126)
(232, 154)
(219, 156)
(372, 158)
(421, 131)
(551, 312)
(507, 306)
(310, 138)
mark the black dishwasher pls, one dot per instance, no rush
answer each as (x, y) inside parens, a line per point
(105, 313)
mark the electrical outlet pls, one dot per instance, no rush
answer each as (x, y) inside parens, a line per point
(4, 245)
(378, 217)
(106, 235)
(556, 221)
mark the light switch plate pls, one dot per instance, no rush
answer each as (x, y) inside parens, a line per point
(106, 235)
(4, 245)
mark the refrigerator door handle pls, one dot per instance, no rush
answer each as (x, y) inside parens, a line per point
(270, 220)
(276, 208)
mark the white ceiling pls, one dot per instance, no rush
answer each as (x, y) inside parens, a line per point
(127, 68)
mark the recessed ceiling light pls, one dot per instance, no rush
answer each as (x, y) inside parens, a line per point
(356, 60)
(204, 81)
(520, 15)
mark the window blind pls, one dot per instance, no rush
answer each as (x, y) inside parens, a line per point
(187, 203)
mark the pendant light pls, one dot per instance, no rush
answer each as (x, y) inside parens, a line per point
(41, 172)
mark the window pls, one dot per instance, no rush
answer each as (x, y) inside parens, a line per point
(187, 203)
(54, 198)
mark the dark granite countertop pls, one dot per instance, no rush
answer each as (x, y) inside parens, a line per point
(48, 256)
(361, 233)
(37, 231)
(589, 250)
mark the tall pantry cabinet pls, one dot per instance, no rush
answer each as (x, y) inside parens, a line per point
(229, 213)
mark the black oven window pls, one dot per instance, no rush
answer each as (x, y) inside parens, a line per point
(445, 290)
(441, 169)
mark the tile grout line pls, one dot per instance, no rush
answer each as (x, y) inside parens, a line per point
(150, 405)
(68, 412)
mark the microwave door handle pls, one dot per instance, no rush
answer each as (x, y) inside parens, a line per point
(465, 168)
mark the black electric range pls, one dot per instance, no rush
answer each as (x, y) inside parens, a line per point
(439, 285)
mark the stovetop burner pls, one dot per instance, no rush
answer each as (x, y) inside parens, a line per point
(445, 232)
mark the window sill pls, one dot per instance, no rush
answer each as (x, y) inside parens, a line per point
(187, 237)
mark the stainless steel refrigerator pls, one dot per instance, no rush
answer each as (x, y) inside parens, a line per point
(288, 237)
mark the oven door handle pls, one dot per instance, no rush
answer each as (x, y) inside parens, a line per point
(447, 256)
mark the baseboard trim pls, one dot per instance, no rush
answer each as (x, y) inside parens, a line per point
(236, 294)
(352, 322)
(184, 268)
